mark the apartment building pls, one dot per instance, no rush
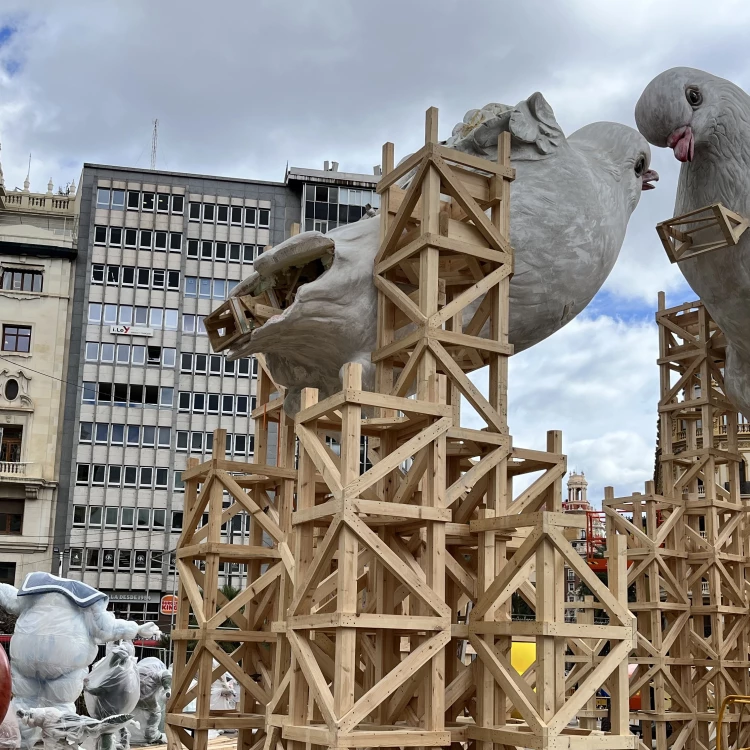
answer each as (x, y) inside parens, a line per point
(37, 252)
(158, 251)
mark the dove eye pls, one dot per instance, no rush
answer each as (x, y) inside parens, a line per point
(640, 166)
(693, 96)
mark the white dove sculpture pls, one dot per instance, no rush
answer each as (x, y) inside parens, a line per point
(706, 121)
(570, 206)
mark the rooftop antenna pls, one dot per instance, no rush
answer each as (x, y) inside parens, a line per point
(154, 141)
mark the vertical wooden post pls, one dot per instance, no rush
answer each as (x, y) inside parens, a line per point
(346, 638)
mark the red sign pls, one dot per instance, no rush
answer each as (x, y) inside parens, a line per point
(169, 604)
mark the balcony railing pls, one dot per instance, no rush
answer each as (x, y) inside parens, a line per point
(15, 468)
(743, 428)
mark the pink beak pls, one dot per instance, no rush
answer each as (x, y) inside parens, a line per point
(682, 142)
(649, 176)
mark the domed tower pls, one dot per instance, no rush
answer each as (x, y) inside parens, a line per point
(577, 489)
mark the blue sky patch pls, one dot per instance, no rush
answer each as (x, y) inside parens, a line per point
(11, 65)
(6, 32)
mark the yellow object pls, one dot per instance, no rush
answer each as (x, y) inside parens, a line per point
(522, 655)
(730, 700)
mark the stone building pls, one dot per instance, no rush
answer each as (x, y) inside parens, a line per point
(578, 502)
(37, 253)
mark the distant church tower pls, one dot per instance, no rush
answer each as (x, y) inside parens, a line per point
(577, 489)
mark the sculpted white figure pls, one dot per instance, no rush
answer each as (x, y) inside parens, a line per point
(60, 624)
(60, 730)
(706, 121)
(155, 689)
(571, 202)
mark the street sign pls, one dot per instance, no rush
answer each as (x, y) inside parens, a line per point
(169, 604)
(131, 331)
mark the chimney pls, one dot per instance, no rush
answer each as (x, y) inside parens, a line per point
(377, 170)
(325, 166)
(335, 167)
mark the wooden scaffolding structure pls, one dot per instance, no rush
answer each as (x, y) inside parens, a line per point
(704, 479)
(401, 560)
(688, 546)
(216, 493)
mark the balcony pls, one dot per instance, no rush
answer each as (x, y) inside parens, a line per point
(743, 428)
(15, 468)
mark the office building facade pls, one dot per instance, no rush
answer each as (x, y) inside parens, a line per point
(158, 251)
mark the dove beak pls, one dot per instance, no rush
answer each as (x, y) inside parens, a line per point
(649, 176)
(682, 142)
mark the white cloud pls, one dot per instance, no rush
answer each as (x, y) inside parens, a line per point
(597, 381)
(241, 88)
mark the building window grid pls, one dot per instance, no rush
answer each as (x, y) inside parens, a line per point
(198, 363)
(143, 239)
(239, 441)
(161, 279)
(208, 212)
(111, 313)
(199, 443)
(125, 354)
(325, 207)
(199, 402)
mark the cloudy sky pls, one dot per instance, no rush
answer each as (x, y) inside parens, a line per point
(241, 88)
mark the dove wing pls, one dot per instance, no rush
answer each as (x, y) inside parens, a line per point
(535, 133)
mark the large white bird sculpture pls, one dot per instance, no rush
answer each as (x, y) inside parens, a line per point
(570, 206)
(706, 121)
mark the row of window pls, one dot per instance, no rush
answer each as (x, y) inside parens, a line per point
(153, 317)
(139, 561)
(215, 364)
(124, 394)
(198, 442)
(214, 403)
(135, 435)
(137, 200)
(147, 519)
(348, 196)
(143, 239)
(193, 324)
(160, 278)
(218, 213)
(19, 280)
(112, 517)
(115, 475)
(164, 356)
(143, 278)
(206, 288)
(150, 436)
(124, 354)
(327, 207)
(124, 561)
(232, 251)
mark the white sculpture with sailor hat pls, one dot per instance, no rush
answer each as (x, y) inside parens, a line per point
(60, 624)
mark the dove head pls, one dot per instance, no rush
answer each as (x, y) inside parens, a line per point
(687, 109)
(622, 153)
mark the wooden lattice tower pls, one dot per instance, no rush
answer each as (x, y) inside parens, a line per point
(389, 556)
(401, 561)
(662, 680)
(703, 478)
(206, 620)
